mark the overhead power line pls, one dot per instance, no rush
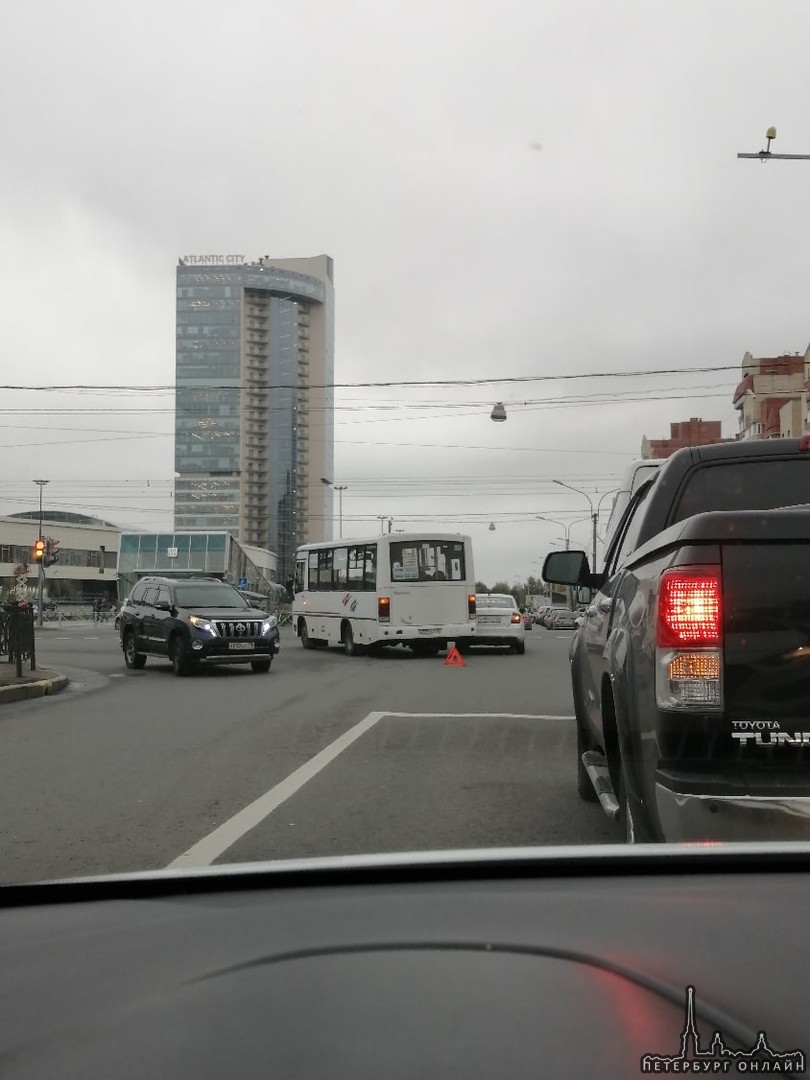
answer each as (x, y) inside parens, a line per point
(371, 384)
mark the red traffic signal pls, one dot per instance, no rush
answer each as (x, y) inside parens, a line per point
(39, 550)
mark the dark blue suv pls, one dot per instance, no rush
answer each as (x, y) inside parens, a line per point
(193, 621)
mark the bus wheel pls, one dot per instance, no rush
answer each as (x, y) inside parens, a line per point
(349, 646)
(306, 640)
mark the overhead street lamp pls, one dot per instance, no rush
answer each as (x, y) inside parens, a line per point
(767, 154)
(563, 525)
(339, 488)
(41, 484)
(594, 515)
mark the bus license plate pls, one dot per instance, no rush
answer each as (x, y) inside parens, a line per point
(240, 645)
(426, 633)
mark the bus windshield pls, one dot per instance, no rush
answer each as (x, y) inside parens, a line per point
(427, 560)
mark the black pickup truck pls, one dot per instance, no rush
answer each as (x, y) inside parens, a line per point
(691, 666)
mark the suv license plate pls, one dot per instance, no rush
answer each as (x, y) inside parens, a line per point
(240, 645)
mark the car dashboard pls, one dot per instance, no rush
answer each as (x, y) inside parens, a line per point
(523, 963)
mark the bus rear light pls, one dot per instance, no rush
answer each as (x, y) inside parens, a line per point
(470, 606)
(384, 609)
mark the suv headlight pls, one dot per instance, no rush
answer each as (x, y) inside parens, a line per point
(202, 624)
(269, 624)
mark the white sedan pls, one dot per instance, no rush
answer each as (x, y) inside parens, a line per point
(499, 621)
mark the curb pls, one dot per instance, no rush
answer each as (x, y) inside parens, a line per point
(33, 689)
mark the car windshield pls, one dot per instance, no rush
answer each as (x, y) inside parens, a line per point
(211, 596)
(363, 311)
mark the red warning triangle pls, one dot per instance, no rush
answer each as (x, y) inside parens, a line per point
(454, 658)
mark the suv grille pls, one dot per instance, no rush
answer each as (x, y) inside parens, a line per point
(238, 628)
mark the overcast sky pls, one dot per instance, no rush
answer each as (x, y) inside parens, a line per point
(509, 190)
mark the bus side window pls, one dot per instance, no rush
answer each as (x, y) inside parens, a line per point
(313, 570)
(339, 578)
(325, 569)
(370, 574)
(355, 573)
(300, 576)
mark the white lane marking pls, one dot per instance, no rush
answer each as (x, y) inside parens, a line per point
(463, 715)
(213, 845)
(226, 835)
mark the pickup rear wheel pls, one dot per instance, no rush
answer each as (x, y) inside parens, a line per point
(585, 788)
(631, 817)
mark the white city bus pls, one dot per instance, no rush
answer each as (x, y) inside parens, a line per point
(412, 589)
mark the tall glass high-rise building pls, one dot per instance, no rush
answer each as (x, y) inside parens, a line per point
(254, 421)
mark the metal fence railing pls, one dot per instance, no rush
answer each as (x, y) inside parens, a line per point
(17, 636)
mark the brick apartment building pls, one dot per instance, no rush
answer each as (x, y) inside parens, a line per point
(694, 432)
(771, 398)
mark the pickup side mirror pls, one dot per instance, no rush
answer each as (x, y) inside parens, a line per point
(163, 605)
(570, 568)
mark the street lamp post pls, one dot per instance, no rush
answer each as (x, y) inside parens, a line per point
(594, 515)
(41, 484)
(339, 488)
(563, 525)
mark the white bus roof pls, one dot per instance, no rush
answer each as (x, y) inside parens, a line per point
(349, 541)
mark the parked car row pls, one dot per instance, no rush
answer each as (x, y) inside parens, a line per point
(557, 617)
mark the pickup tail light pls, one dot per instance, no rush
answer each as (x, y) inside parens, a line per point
(689, 637)
(471, 606)
(689, 607)
(384, 609)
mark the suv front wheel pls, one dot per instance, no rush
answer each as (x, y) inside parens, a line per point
(181, 662)
(132, 658)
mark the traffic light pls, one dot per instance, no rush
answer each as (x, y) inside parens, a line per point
(51, 551)
(39, 550)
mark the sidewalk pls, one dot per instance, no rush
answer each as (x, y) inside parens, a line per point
(30, 684)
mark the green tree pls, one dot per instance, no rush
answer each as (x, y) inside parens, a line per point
(481, 587)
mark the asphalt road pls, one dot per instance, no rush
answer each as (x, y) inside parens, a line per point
(325, 755)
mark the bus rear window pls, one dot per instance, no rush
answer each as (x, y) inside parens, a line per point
(427, 560)
(745, 485)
